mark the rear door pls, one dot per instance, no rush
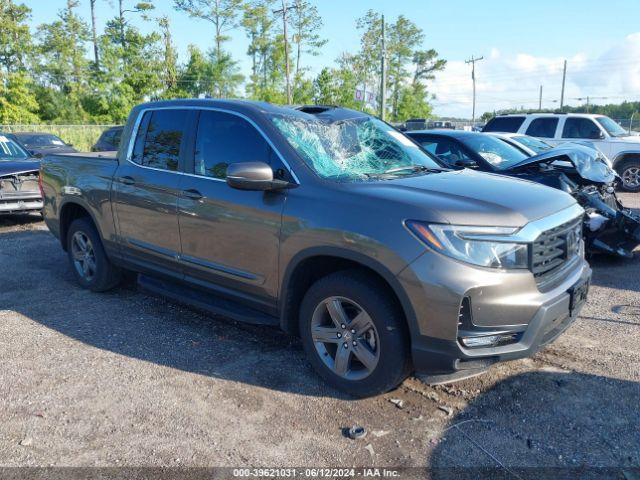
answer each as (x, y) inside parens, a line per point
(230, 238)
(147, 185)
(544, 128)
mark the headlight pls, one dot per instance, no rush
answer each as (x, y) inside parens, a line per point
(466, 243)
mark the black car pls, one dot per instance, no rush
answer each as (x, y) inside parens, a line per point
(109, 141)
(575, 168)
(41, 144)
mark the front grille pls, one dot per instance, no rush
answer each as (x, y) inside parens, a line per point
(19, 183)
(554, 248)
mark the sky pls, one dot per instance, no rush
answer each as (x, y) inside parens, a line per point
(524, 45)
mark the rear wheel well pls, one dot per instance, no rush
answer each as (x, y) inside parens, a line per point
(69, 213)
(309, 271)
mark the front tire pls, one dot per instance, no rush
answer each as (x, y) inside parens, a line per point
(89, 263)
(629, 171)
(354, 334)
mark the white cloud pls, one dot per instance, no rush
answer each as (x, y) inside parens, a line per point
(513, 81)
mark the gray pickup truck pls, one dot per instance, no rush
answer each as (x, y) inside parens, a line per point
(331, 225)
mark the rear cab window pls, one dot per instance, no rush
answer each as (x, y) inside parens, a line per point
(159, 139)
(504, 124)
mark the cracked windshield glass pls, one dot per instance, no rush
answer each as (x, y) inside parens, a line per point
(352, 149)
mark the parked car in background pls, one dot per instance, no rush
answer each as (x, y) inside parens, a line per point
(40, 144)
(19, 191)
(264, 214)
(109, 140)
(577, 169)
(529, 145)
(605, 134)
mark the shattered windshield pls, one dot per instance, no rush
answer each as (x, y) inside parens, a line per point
(10, 150)
(355, 148)
(612, 127)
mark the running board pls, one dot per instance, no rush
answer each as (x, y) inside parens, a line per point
(204, 301)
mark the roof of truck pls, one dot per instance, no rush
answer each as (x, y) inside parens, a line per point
(325, 112)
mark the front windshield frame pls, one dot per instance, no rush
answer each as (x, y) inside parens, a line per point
(612, 127)
(471, 143)
(349, 149)
(6, 145)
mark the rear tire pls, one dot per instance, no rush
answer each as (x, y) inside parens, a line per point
(89, 263)
(354, 334)
(629, 171)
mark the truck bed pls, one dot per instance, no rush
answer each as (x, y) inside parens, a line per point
(83, 179)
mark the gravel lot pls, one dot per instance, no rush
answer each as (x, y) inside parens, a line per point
(127, 379)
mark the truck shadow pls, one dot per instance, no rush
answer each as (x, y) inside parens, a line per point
(544, 424)
(19, 219)
(42, 288)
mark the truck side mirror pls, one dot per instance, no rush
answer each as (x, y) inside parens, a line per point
(256, 176)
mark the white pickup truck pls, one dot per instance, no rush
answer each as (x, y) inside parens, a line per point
(608, 136)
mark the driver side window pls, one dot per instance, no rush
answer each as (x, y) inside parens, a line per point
(223, 139)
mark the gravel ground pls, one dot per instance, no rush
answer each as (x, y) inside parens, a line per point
(127, 379)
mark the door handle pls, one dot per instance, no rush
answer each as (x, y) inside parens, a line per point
(127, 180)
(192, 194)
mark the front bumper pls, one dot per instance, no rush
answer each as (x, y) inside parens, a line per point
(21, 202)
(507, 302)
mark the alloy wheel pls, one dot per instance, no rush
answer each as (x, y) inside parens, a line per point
(84, 258)
(631, 177)
(345, 338)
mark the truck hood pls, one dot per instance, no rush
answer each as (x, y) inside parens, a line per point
(13, 168)
(630, 139)
(467, 197)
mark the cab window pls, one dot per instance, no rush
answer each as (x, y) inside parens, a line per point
(543, 127)
(223, 139)
(580, 128)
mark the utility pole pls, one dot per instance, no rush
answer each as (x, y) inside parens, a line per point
(540, 99)
(564, 78)
(473, 61)
(284, 11)
(383, 76)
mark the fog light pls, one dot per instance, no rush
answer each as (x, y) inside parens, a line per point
(490, 340)
(487, 341)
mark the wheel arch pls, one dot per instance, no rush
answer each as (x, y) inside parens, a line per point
(70, 211)
(625, 155)
(312, 264)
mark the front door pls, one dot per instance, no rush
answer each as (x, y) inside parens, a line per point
(230, 238)
(147, 186)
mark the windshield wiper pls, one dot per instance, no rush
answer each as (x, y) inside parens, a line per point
(411, 168)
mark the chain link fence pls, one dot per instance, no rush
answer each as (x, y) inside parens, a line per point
(82, 137)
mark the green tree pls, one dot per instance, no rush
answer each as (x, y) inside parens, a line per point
(94, 34)
(18, 103)
(63, 63)
(170, 59)
(404, 38)
(15, 36)
(306, 22)
(223, 14)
